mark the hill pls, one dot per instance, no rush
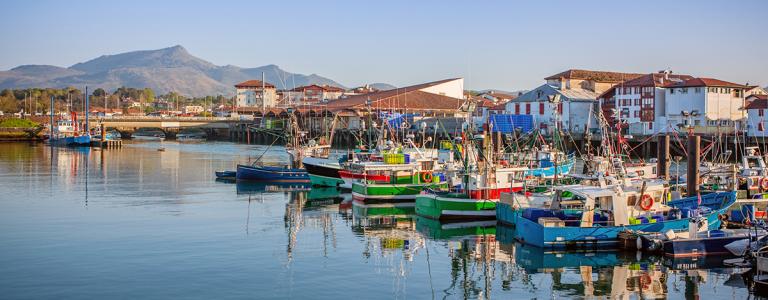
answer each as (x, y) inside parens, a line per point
(163, 70)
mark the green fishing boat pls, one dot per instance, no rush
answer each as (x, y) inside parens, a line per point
(388, 183)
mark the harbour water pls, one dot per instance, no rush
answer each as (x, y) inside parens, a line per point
(135, 222)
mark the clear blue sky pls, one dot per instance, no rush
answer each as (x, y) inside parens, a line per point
(503, 45)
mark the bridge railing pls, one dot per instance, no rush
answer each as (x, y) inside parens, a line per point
(162, 119)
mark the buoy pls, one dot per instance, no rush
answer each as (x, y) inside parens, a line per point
(646, 202)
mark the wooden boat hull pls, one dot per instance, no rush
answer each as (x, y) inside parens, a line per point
(271, 174)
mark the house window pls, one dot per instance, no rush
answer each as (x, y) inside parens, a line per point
(560, 108)
(697, 90)
(527, 108)
(650, 125)
(671, 91)
(696, 122)
(517, 108)
(541, 108)
(684, 90)
(760, 112)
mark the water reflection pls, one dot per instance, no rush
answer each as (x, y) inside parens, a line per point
(63, 209)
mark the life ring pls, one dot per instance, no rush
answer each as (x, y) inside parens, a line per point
(646, 281)
(426, 177)
(646, 202)
(764, 183)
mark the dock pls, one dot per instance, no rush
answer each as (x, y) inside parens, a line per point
(106, 144)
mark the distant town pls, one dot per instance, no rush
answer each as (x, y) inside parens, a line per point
(644, 104)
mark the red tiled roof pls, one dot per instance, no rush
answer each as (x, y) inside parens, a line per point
(401, 98)
(498, 95)
(327, 88)
(655, 79)
(253, 83)
(694, 82)
(599, 76)
(757, 102)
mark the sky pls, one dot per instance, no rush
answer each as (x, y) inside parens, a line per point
(506, 45)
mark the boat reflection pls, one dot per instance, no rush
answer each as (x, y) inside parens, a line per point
(254, 188)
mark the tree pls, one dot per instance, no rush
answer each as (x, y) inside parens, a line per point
(149, 94)
(99, 92)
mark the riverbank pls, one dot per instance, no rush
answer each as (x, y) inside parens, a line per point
(20, 130)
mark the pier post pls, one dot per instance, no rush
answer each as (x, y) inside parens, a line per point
(663, 157)
(694, 143)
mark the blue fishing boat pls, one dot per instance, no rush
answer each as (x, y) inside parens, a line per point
(708, 243)
(271, 174)
(547, 169)
(593, 217)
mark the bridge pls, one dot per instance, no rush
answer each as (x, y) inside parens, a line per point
(130, 122)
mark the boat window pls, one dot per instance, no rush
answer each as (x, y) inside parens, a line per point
(427, 165)
(632, 200)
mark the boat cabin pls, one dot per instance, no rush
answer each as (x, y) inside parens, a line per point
(614, 205)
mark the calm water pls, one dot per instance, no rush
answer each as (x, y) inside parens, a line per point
(139, 223)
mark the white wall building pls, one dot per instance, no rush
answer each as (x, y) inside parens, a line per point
(711, 105)
(757, 107)
(254, 93)
(574, 112)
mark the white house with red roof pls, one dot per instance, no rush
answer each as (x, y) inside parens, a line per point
(637, 102)
(757, 106)
(255, 93)
(710, 105)
(312, 94)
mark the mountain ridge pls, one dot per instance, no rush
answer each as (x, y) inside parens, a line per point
(164, 70)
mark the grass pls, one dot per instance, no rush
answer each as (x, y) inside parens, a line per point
(18, 123)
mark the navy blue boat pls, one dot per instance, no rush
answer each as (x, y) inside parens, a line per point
(707, 243)
(271, 174)
(226, 175)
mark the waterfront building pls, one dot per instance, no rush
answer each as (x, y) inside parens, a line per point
(193, 109)
(572, 113)
(595, 81)
(637, 102)
(311, 94)
(710, 105)
(757, 105)
(256, 94)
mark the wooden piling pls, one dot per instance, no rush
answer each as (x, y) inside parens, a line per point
(663, 157)
(694, 143)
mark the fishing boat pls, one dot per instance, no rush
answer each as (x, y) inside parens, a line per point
(476, 200)
(151, 134)
(191, 135)
(323, 169)
(68, 133)
(255, 172)
(226, 175)
(592, 217)
(707, 243)
(389, 181)
(110, 135)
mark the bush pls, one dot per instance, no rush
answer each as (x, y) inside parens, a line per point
(15, 122)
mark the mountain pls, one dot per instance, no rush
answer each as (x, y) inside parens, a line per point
(382, 86)
(163, 70)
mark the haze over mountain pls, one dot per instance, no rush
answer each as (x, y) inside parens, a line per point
(163, 70)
